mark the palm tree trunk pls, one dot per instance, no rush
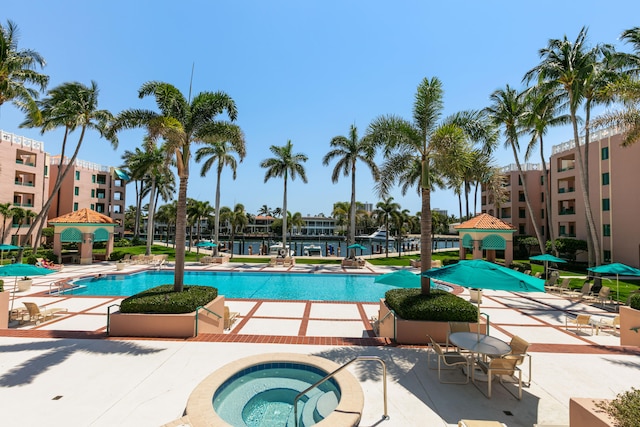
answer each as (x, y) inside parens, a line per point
(595, 252)
(284, 216)
(547, 199)
(152, 208)
(136, 230)
(536, 229)
(425, 228)
(466, 196)
(181, 225)
(352, 211)
(217, 218)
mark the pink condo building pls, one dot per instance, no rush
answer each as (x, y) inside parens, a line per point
(24, 181)
(613, 191)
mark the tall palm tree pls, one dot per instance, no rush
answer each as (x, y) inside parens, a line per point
(348, 150)
(72, 106)
(18, 70)
(184, 122)
(221, 151)
(6, 212)
(341, 212)
(134, 165)
(283, 164)
(387, 211)
(567, 66)
(167, 215)
(20, 216)
(199, 211)
(400, 137)
(295, 222)
(264, 210)
(542, 112)
(507, 109)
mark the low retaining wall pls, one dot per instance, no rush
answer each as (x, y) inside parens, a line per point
(168, 325)
(584, 412)
(414, 331)
(629, 326)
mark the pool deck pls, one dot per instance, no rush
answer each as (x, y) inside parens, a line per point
(74, 374)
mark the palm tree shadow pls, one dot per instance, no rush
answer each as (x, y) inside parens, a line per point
(53, 353)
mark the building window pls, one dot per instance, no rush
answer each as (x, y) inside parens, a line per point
(542, 213)
(46, 170)
(542, 230)
(563, 231)
(521, 197)
(92, 207)
(75, 206)
(93, 192)
(542, 197)
(606, 230)
(606, 205)
(76, 191)
(605, 153)
(77, 175)
(521, 229)
(607, 256)
(522, 213)
(541, 179)
(519, 180)
(605, 178)
(93, 179)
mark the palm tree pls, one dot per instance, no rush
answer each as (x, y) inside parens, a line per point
(20, 216)
(73, 106)
(349, 150)
(6, 212)
(237, 219)
(341, 212)
(411, 140)
(508, 110)
(386, 211)
(221, 151)
(199, 211)
(295, 221)
(283, 164)
(265, 210)
(567, 66)
(167, 214)
(184, 122)
(17, 70)
(132, 163)
(541, 113)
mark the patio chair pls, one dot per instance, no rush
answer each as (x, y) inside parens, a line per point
(501, 366)
(229, 317)
(580, 321)
(604, 295)
(519, 349)
(450, 359)
(36, 314)
(607, 323)
(126, 258)
(457, 327)
(585, 291)
(553, 278)
(538, 274)
(563, 287)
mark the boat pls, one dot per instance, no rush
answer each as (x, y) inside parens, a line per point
(380, 234)
(278, 250)
(312, 250)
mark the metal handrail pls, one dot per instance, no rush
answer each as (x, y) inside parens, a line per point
(385, 416)
(488, 321)
(204, 308)
(109, 315)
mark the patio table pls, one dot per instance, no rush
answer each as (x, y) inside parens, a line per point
(480, 344)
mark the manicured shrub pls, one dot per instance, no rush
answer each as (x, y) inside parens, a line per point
(162, 299)
(634, 301)
(449, 261)
(412, 304)
(624, 409)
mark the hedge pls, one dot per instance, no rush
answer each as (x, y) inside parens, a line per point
(163, 299)
(412, 304)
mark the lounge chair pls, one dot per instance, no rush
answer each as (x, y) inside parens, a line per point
(501, 366)
(604, 295)
(36, 314)
(44, 263)
(585, 291)
(229, 317)
(451, 359)
(607, 323)
(580, 321)
(563, 287)
(480, 423)
(126, 258)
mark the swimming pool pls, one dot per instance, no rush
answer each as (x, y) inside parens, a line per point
(282, 286)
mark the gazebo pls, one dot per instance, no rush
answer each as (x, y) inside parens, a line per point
(486, 233)
(83, 227)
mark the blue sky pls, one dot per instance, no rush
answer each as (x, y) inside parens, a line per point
(299, 70)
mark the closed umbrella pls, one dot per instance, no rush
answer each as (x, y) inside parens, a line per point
(618, 269)
(4, 247)
(547, 258)
(22, 270)
(482, 274)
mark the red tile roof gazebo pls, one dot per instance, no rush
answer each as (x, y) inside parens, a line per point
(486, 233)
(83, 227)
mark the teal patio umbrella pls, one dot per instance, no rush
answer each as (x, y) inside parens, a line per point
(5, 247)
(400, 279)
(22, 270)
(357, 246)
(618, 269)
(547, 258)
(482, 274)
(206, 244)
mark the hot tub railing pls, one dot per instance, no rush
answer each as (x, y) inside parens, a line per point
(385, 415)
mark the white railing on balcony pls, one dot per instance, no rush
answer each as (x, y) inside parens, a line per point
(57, 160)
(594, 136)
(21, 140)
(525, 167)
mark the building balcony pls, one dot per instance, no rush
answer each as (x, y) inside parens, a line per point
(26, 184)
(566, 190)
